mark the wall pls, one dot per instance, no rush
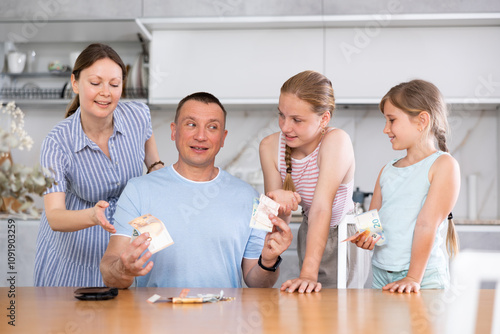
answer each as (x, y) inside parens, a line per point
(474, 142)
(475, 129)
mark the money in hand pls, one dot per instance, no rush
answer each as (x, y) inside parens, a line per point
(369, 222)
(159, 236)
(262, 207)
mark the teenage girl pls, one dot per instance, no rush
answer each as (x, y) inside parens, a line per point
(316, 161)
(414, 194)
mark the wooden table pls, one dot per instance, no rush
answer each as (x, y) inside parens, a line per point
(55, 310)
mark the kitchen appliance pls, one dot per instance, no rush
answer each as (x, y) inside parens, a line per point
(359, 197)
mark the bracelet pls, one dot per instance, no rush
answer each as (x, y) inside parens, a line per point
(273, 268)
(159, 162)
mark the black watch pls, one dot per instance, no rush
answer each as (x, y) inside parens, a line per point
(274, 267)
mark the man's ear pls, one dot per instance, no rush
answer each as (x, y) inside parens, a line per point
(172, 130)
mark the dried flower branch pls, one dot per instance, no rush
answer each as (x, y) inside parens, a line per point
(18, 182)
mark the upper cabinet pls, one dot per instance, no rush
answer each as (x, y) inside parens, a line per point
(463, 62)
(25, 21)
(246, 60)
(238, 66)
(41, 11)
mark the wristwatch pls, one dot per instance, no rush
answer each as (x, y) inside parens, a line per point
(274, 267)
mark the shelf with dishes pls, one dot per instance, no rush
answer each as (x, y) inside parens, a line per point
(27, 92)
(34, 95)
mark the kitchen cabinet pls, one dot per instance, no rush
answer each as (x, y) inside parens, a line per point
(174, 8)
(235, 65)
(219, 8)
(365, 62)
(37, 12)
(245, 60)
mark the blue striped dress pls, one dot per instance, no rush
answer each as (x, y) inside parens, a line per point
(87, 175)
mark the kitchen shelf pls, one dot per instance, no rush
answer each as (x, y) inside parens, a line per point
(57, 96)
(70, 30)
(66, 74)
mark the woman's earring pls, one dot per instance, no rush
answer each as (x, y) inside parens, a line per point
(323, 131)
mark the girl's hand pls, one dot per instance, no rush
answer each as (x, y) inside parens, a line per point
(407, 284)
(365, 240)
(99, 216)
(301, 284)
(288, 200)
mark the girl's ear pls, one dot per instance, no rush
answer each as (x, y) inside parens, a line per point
(325, 119)
(423, 119)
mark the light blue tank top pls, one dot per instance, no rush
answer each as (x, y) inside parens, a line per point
(404, 191)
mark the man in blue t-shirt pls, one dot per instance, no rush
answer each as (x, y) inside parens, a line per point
(206, 211)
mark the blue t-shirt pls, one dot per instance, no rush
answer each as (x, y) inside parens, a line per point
(404, 191)
(208, 221)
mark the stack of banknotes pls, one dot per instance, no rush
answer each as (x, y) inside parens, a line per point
(369, 222)
(159, 237)
(262, 207)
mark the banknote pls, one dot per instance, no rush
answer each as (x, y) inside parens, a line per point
(368, 223)
(262, 208)
(159, 237)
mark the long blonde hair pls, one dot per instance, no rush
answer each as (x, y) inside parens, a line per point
(412, 98)
(315, 89)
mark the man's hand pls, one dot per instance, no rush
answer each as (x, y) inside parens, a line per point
(131, 261)
(276, 241)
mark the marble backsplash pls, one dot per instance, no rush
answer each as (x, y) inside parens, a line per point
(473, 142)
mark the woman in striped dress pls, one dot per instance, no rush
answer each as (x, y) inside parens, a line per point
(316, 161)
(92, 153)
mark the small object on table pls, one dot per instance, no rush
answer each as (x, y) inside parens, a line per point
(185, 299)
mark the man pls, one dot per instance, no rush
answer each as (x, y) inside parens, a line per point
(206, 211)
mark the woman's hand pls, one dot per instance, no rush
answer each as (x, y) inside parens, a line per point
(288, 200)
(99, 216)
(407, 284)
(301, 284)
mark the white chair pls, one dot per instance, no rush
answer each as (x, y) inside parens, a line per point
(468, 270)
(362, 256)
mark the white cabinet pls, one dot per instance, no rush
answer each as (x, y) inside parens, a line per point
(246, 60)
(463, 62)
(247, 65)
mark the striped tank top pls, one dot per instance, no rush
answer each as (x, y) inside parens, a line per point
(305, 174)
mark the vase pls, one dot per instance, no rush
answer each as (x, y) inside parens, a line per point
(9, 204)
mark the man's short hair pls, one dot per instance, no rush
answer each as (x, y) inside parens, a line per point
(200, 97)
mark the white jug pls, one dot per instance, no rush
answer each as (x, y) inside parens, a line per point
(16, 61)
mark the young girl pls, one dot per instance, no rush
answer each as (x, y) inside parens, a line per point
(414, 194)
(316, 161)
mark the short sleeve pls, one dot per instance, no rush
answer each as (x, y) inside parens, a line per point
(53, 158)
(143, 117)
(255, 244)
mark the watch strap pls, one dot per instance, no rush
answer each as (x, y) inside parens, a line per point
(274, 267)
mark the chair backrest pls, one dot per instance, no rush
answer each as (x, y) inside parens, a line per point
(468, 270)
